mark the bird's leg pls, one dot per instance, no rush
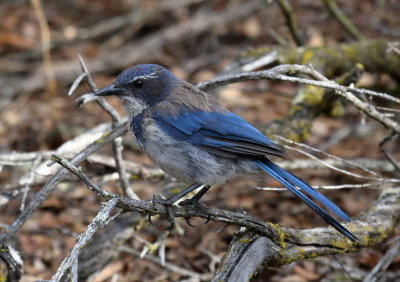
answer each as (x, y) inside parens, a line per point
(195, 199)
(192, 201)
(170, 201)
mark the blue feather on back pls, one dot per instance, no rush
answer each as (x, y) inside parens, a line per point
(201, 128)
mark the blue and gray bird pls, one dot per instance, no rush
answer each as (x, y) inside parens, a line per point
(193, 138)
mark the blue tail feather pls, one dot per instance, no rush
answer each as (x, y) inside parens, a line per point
(309, 190)
(290, 181)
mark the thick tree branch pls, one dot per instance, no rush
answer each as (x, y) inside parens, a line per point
(249, 250)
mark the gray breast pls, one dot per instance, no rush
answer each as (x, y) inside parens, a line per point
(186, 162)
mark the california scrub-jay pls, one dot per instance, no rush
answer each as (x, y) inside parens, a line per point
(192, 137)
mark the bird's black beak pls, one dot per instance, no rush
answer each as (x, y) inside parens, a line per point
(108, 91)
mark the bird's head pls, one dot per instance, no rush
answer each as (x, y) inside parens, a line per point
(141, 86)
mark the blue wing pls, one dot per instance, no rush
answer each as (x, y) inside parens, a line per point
(224, 134)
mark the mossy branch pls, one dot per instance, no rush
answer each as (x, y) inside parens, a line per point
(333, 60)
(248, 250)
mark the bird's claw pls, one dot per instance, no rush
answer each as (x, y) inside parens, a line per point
(170, 215)
(168, 208)
(187, 219)
(189, 202)
(170, 218)
(195, 203)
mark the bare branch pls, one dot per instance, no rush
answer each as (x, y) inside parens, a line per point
(335, 11)
(290, 21)
(383, 264)
(277, 72)
(151, 208)
(343, 91)
(248, 250)
(117, 143)
(51, 184)
(70, 263)
(46, 42)
(355, 175)
(350, 163)
(13, 262)
(76, 83)
(332, 187)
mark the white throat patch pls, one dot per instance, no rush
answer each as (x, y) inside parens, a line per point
(133, 106)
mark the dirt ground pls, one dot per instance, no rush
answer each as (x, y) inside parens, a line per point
(37, 115)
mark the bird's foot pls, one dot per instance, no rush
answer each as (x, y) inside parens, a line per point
(191, 202)
(165, 202)
(168, 208)
(200, 207)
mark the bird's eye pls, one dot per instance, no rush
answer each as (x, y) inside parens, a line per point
(138, 83)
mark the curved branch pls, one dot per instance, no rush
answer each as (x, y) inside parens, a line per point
(298, 114)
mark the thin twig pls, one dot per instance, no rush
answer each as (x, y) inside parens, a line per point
(327, 154)
(277, 72)
(290, 21)
(391, 159)
(51, 184)
(335, 11)
(384, 263)
(121, 169)
(28, 182)
(76, 83)
(101, 101)
(117, 143)
(341, 170)
(394, 47)
(261, 62)
(382, 144)
(46, 45)
(23, 158)
(71, 261)
(331, 187)
(151, 208)
(343, 91)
